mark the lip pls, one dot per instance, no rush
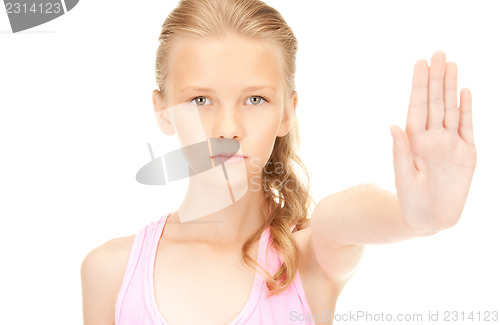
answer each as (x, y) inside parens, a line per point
(229, 159)
(228, 155)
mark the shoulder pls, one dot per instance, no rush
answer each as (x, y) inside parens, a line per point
(102, 271)
(108, 259)
(110, 256)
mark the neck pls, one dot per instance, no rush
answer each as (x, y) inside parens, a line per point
(208, 213)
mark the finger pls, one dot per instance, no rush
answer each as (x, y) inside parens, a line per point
(417, 109)
(465, 129)
(404, 167)
(451, 113)
(436, 97)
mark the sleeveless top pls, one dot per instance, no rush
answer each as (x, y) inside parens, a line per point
(136, 302)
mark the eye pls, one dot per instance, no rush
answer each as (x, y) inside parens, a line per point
(199, 100)
(259, 99)
(202, 100)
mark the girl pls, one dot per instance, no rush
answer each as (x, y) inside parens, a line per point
(241, 249)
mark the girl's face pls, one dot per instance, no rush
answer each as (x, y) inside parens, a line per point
(237, 86)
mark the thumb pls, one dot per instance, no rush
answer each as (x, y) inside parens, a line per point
(402, 155)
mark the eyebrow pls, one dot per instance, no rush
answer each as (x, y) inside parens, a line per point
(212, 91)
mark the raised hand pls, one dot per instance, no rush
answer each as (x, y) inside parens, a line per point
(435, 157)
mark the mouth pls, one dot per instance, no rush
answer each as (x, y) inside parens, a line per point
(228, 155)
(229, 158)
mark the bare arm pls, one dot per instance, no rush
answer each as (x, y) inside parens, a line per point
(362, 214)
(434, 160)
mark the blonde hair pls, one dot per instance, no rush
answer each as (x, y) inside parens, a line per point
(253, 19)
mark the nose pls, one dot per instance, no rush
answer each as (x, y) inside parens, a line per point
(228, 125)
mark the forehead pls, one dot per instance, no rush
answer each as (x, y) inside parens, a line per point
(233, 61)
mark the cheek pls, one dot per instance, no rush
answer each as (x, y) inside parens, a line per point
(267, 121)
(264, 126)
(188, 125)
(263, 135)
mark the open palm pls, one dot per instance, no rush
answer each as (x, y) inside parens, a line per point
(435, 157)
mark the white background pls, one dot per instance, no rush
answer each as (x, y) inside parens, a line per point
(76, 116)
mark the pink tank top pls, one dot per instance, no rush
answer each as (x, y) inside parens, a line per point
(136, 302)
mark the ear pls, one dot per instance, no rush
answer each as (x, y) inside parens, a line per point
(286, 120)
(162, 114)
